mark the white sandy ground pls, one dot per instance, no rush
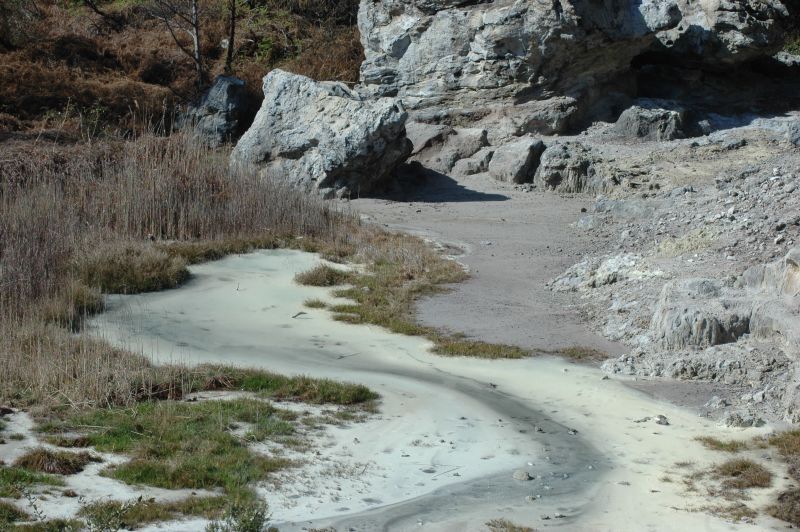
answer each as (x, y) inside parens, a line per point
(441, 452)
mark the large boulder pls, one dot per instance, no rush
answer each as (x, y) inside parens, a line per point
(442, 154)
(516, 161)
(566, 167)
(222, 114)
(649, 120)
(323, 136)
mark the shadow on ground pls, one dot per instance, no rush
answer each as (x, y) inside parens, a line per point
(417, 183)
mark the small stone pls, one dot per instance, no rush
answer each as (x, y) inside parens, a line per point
(522, 475)
(662, 420)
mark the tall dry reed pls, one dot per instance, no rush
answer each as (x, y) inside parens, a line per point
(64, 211)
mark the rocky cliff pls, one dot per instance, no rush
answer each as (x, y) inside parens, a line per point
(558, 63)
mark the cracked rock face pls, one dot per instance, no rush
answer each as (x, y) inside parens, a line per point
(468, 52)
(322, 136)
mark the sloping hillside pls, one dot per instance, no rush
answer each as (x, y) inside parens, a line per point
(115, 63)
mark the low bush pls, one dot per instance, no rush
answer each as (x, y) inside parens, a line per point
(323, 275)
(130, 268)
(741, 473)
(54, 462)
(730, 446)
(787, 507)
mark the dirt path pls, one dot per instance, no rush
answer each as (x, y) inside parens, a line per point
(513, 242)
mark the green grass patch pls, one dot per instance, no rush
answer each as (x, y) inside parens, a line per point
(730, 446)
(741, 473)
(580, 353)
(504, 525)
(11, 514)
(130, 268)
(248, 516)
(315, 303)
(324, 275)
(54, 462)
(12, 479)
(185, 445)
(194, 252)
(52, 525)
(275, 386)
(401, 270)
(454, 346)
(129, 515)
(793, 45)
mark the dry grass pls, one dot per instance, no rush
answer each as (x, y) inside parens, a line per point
(504, 525)
(692, 242)
(741, 473)
(400, 269)
(130, 267)
(128, 516)
(75, 222)
(315, 303)
(787, 443)
(735, 512)
(323, 275)
(10, 514)
(54, 462)
(331, 53)
(730, 446)
(580, 354)
(61, 64)
(787, 507)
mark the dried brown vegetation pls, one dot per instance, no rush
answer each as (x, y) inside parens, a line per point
(787, 504)
(75, 221)
(741, 473)
(54, 462)
(61, 64)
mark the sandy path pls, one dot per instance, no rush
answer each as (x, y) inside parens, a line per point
(596, 467)
(515, 242)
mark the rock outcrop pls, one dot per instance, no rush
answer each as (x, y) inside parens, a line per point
(694, 312)
(516, 161)
(557, 62)
(651, 120)
(566, 167)
(323, 136)
(223, 113)
(441, 152)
